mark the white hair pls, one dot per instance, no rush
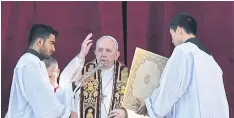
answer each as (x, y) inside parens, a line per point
(109, 37)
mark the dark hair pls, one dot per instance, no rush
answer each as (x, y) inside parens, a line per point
(188, 23)
(40, 31)
(50, 61)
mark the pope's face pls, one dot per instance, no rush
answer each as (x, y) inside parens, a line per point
(106, 52)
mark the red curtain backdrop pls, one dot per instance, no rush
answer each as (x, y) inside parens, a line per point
(146, 28)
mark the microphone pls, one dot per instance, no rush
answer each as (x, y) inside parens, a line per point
(88, 74)
(100, 65)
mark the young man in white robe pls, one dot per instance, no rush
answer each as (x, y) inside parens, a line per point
(104, 88)
(191, 84)
(31, 95)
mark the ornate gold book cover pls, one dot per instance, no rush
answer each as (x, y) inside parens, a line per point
(144, 77)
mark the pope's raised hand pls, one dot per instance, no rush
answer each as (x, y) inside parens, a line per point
(87, 43)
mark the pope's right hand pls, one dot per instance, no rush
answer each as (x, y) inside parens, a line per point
(87, 43)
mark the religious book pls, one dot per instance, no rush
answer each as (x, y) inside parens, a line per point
(144, 77)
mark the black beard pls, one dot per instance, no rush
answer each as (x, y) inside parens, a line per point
(43, 53)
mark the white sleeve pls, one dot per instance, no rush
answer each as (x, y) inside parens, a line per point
(70, 100)
(74, 67)
(173, 84)
(39, 94)
(60, 95)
